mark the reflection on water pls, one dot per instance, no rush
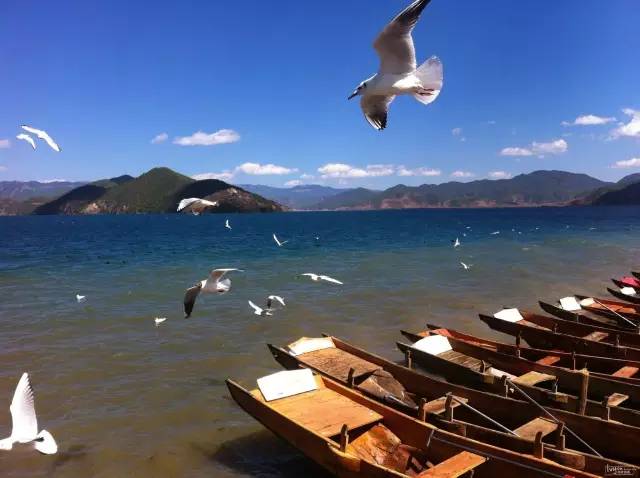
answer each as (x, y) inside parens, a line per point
(126, 398)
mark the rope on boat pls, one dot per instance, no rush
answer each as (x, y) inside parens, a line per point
(486, 417)
(633, 324)
(547, 413)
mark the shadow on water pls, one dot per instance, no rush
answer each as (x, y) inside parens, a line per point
(262, 454)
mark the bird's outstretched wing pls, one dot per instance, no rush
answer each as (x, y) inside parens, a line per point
(278, 298)
(27, 138)
(217, 274)
(309, 274)
(395, 45)
(190, 297)
(257, 309)
(186, 202)
(331, 279)
(42, 135)
(375, 109)
(23, 412)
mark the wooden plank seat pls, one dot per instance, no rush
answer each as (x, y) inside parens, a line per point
(337, 363)
(596, 336)
(455, 466)
(461, 359)
(616, 399)
(533, 378)
(530, 429)
(437, 406)
(325, 412)
(549, 360)
(626, 372)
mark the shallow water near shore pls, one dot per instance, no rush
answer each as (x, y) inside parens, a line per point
(126, 398)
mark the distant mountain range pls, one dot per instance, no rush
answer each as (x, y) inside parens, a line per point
(160, 190)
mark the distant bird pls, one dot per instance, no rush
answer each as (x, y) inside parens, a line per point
(25, 423)
(495, 233)
(280, 244)
(271, 298)
(81, 298)
(456, 243)
(398, 74)
(466, 267)
(27, 138)
(159, 320)
(259, 310)
(214, 284)
(197, 205)
(226, 224)
(43, 136)
(316, 277)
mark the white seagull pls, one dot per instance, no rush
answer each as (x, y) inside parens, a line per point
(495, 233)
(280, 244)
(456, 243)
(259, 310)
(27, 138)
(316, 277)
(466, 266)
(271, 298)
(398, 73)
(159, 320)
(81, 298)
(42, 135)
(214, 284)
(226, 224)
(25, 423)
(197, 205)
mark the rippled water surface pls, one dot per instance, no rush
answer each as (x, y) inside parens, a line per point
(126, 398)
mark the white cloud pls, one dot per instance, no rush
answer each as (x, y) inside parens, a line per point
(307, 176)
(632, 128)
(499, 175)
(589, 120)
(402, 171)
(3, 168)
(456, 131)
(223, 176)
(557, 146)
(4, 143)
(200, 138)
(256, 169)
(462, 174)
(54, 180)
(629, 163)
(293, 182)
(341, 170)
(160, 138)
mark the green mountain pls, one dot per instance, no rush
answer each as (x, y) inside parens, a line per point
(627, 195)
(156, 191)
(534, 189)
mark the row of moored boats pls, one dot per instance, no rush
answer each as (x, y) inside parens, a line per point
(562, 400)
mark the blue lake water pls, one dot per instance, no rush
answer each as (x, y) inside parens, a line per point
(126, 398)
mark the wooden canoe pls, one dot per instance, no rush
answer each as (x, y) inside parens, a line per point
(518, 415)
(614, 369)
(635, 274)
(352, 436)
(542, 337)
(618, 294)
(541, 373)
(630, 281)
(596, 314)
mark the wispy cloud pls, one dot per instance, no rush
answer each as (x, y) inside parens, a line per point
(293, 182)
(457, 133)
(3, 168)
(54, 180)
(491, 122)
(628, 163)
(160, 138)
(258, 169)
(462, 174)
(402, 171)
(200, 138)
(589, 120)
(341, 170)
(307, 176)
(223, 176)
(499, 175)
(630, 129)
(557, 146)
(5, 143)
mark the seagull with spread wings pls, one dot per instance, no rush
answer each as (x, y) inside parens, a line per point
(196, 205)
(27, 138)
(318, 277)
(259, 310)
(25, 422)
(214, 284)
(278, 241)
(227, 225)
(398, 73)
(43, 135)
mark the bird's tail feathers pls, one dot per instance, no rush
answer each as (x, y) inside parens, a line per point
(45, 443)
(431, 77)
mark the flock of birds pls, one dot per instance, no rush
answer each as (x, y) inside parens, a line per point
(39, 133)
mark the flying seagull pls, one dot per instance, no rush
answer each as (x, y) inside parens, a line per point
(259, 310)
(398, 73)
(25, 423)
(197, 205)
(27, 138)
(466, 266)
(159, 320)
(271, 298)
(42, 135)
(456, 243)
(280, 244)
(81, 298)
(213, 284)
(316, 277)
(495, 233)
(226, 224)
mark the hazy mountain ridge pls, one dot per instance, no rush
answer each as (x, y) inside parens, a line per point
(23, 190)
(297, 197)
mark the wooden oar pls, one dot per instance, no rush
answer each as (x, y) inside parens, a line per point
(616, 313)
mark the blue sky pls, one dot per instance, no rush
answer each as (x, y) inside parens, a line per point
(271, 79)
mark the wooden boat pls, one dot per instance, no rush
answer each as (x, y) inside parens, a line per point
(351, 435)
(378, 378)
(630, 281)
(554, 335)
(635, 274)
(606, 313)
(633, 296)
(608, 368)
